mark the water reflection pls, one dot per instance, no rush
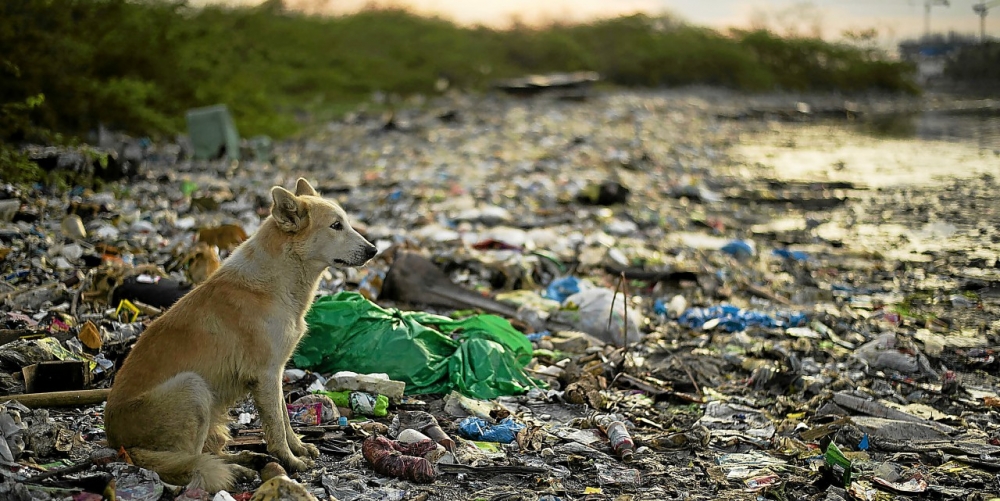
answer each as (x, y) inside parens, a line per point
(920, 148)
(977, 126)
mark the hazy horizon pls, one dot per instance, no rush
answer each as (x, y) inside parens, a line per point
(894, 19)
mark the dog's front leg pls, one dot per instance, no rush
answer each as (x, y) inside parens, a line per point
(274, 418)
(297, 447)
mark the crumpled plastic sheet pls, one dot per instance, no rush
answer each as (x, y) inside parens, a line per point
(481, 356)
(611, 474)
(885, 352)
(344, 487)
(727, 419)
(734, 319)
(589, 309)
(477, 429)
(11, 432)
(133, 483)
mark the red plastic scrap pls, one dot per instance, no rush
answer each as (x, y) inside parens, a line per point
(493, 244)
(398, 460)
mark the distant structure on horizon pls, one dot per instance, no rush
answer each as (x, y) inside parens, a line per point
(954, 56)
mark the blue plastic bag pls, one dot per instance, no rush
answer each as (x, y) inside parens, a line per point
(739, 248)
(734, 319)
(660, 307)
(475, 428)
(787, 254)
(562, 288)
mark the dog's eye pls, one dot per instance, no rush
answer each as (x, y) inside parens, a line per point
(337, 225)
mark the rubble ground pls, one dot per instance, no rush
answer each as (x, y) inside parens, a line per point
(814, 334)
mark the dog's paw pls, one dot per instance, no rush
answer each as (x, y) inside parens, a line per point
(305, 450)
(294, 464)
(249, 459)
(242, 473)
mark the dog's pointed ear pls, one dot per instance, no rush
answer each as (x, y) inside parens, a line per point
(302, 187)
(287, 211)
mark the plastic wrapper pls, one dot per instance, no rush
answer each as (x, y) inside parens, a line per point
(838, 463)
(360, 402)
(329, 408)
(309, 414)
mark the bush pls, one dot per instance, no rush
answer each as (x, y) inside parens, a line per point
(137, 65)
(811, 64)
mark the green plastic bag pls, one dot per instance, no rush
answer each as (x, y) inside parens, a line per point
(486, 358)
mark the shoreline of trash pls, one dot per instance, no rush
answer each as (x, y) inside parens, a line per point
(573, 299)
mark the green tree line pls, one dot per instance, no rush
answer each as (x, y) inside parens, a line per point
(137, 65)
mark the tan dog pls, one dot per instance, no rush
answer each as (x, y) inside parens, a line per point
(229, 337)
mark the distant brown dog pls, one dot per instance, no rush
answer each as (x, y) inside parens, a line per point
(200, 262)
(225, 237)
(102, 281)
(229, 337)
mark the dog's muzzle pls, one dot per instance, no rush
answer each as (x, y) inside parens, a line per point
(360, 258)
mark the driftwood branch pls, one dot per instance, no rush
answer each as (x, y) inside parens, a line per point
(60, 398)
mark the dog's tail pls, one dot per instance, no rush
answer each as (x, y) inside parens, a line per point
(181, 468)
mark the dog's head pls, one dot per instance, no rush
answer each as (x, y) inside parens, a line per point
(318, 227)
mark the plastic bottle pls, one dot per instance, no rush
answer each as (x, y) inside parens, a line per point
(621, 440)
(618, 435)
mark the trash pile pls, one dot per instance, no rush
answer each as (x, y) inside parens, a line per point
(573, 299)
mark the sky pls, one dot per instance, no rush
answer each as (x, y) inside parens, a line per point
(894, 19)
